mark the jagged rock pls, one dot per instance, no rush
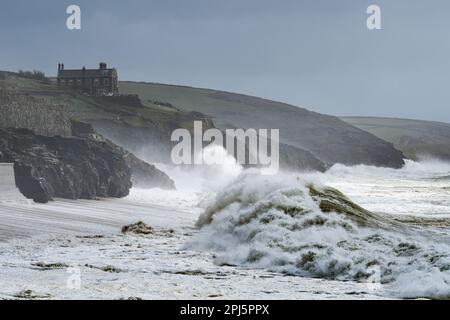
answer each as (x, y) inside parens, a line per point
(31, 186)
(137, 228)
(143, 174)
(332, 200)
(72, 168)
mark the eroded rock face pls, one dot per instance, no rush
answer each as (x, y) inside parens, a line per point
(31, 185)
(332, 200)
(147, 176)
(143, 174)
(72, 168)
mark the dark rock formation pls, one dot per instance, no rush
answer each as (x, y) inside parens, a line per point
(143, 174)
(137, 228)
(71, 168)
(31, 185)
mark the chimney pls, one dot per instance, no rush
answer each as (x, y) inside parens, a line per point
(103, 66)
(59, 66)
(62, 66)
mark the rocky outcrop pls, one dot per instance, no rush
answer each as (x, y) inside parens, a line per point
(143, 174)
(72, 168)
(137, 228)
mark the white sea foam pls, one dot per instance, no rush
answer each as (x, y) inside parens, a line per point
(419, 188)
(430, 168)
(273, 223)
(261, 224)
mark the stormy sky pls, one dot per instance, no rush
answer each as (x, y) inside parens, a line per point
(317, 54)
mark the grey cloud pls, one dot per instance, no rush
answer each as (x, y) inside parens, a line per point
(315, 53)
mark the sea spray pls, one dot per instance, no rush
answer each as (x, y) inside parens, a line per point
(412, 170)
(276, 223)
(195, 185)
(419, 189)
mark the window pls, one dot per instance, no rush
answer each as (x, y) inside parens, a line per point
(106, 82)
(79, 82)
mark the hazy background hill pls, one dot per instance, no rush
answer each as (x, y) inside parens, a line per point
(326, 137)
(416, 138)
(143, 119)
(141, 126)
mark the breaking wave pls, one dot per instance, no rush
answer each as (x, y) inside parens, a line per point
(430, 168)
(287, 224)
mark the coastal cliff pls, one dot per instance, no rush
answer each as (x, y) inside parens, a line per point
(74, 167)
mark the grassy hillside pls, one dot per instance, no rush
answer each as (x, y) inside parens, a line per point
(145, 130)
(415, 138)
(327, 137)
(142, 126)
(97, 108)
(308, 139)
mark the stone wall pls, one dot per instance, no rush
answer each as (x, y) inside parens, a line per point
(22, 111)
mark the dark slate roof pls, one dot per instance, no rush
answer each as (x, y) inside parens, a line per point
(88, 73)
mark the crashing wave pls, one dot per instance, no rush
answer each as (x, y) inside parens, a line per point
(288, 225)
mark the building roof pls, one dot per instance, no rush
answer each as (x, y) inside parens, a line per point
(87, 73)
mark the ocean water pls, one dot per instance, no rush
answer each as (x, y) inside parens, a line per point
(272, 223)
(231, 233)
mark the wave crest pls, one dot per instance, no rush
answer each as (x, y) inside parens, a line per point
(287, 224)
